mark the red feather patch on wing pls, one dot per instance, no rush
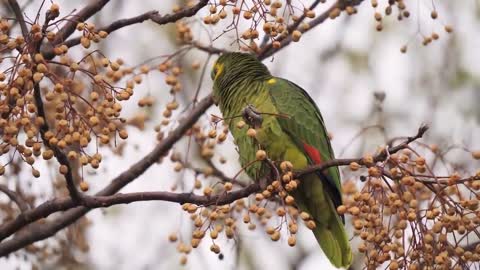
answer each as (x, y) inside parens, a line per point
(313, 153)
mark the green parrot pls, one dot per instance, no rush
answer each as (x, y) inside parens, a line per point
(241, 80)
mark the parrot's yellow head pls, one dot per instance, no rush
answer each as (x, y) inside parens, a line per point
(233, 69)
(217, 70)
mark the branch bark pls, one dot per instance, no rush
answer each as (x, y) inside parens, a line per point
(181, 198)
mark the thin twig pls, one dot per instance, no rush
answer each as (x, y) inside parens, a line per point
(117, 25)
(19, 16)
(268, 50)
(44, 127)
(379, 157)
(186, 12)
(208, 49)
(202, 74)
(81, 16)
(84, 14)
(217, 173)
(61, 157)
(12, 195)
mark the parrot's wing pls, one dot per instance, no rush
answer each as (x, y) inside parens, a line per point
(306, 128)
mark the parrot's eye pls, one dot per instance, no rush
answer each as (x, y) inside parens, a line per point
(214, 72)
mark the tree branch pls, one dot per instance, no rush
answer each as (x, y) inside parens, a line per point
(19, 16)
(37, 232)
(216, 172)
(44, 127)
(224, 178)
(340, 4)
(152, 15)
(295, 25)
(61, 157)
(186, 12)
(41, 231)
(207, 49)
(105, 198)
(85, 13)
(22, 205)
(379, 157)
(220, 199)
(117, 25)
(59, 154)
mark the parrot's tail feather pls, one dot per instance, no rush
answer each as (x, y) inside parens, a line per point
(313, 198)
(334, 241)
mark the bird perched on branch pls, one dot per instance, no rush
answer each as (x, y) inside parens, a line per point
(291, 129)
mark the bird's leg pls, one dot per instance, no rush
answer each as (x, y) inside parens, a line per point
(263, 182)
(252, 117)
(272, 176)
(274, 173)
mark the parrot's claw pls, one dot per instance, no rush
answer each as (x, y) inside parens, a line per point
(252, 117)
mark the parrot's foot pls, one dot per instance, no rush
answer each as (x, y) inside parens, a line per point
(274, 174)
(263, 183)
(252, 117)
